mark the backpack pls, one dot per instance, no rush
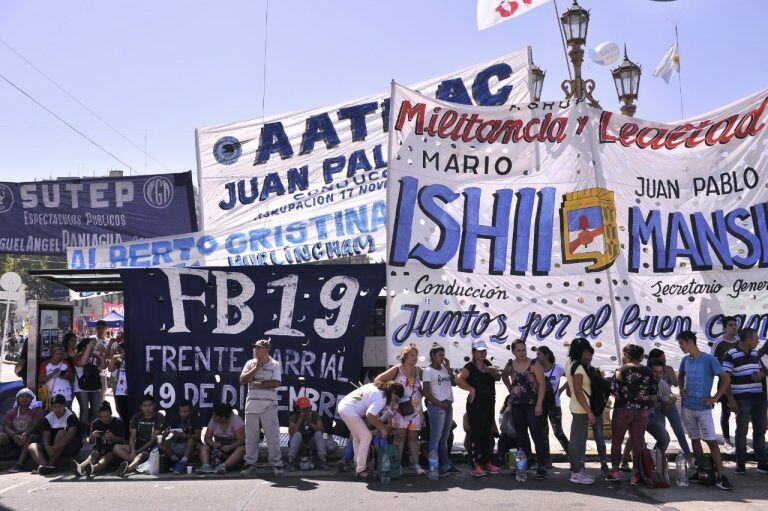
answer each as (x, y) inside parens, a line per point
(601, 389)
(653, 467)
(706, 470)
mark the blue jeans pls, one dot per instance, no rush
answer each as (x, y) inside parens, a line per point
(754, 410)
(677, 428)
(657, 428)
(440, 422)
(89, 407)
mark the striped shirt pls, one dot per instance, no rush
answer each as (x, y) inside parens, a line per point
(742, 366)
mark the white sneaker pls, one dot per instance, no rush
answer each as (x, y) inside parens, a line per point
(419, 471)
(582, 478)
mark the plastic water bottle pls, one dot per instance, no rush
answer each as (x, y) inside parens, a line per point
(521, 466)
(433, 466)
(385, 468)
(681, 469)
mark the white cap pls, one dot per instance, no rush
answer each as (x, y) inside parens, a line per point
(479, 345)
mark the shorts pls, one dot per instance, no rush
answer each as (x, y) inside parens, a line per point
(699, 424)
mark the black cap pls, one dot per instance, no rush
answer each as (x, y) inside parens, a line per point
(101, 322)
(58, 399)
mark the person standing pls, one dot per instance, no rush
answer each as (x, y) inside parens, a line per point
(263, 375)
(103, 339)
(409, 418)
(553, 373)
(116, 366)
(580, 388)
(696, 375)
(90, 360)
(729, 341)
(525, 381)
(636, 394)
(747, 399)
(438, 392)
(479, 377)
(57, 374)
(671, 412)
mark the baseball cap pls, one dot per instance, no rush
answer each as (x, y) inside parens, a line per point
(479, 345)
(303, 403)
(435, 347)
(262, 343)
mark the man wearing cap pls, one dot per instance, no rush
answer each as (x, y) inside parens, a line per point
(19, 426)
(263, 375)
(305, 427)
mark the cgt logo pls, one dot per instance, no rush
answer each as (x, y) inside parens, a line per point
(158, 192)
(589, 228)
(6, 198)
(227, 150)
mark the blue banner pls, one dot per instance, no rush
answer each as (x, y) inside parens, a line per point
(47, 217)
(190, 331)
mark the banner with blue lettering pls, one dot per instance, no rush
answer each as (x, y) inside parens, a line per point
(191, 330)
(552, 220)
(188, 249)
(48, 217)
(310, 186)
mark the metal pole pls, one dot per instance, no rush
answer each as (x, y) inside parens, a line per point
(562, 39)
(679, 75)
(5, 326)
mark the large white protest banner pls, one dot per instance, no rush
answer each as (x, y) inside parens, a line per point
(310, 186)
(550, 221)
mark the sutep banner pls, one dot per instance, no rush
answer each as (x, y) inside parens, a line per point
(549, 221)
(48, 217)
(310, 186)
(190, 331)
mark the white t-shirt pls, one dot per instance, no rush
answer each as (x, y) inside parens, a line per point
(362, 401)
(439, 383)
(60, 384)
(555, 373)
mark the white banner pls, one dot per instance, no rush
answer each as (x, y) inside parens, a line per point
(553, 221)
(310, 186)
(180, 250)
(493, 12)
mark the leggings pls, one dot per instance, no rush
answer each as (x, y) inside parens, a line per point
(123, 409)
(481, 428)
(555, 415)
(525, 419)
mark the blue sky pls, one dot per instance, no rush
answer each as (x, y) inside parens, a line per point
(162, 68)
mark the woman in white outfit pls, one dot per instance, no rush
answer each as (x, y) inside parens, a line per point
(363, 403)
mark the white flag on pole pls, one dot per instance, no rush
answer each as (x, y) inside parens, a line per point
(493, 12)
(669, 64)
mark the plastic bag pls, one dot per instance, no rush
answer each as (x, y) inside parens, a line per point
(152, 465)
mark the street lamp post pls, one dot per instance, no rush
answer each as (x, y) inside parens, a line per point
(626, 77)
(575, 24)
(537, 79)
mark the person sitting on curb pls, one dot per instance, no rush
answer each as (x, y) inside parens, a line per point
(19, 427)
(184, 437)
(60, 437)
(305, 429)
(106, 432)
(224, 444)
(146, 426)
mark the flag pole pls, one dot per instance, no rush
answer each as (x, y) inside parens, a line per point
(679, 74)
(562, 39)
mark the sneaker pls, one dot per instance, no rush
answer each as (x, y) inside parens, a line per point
(88, 470)
(740, 470)
(477, 471)
(694, 478)
(723, 483)
(605, 472)
(491, 468)
(453, 470)
(77, 470)
(541, 473)
(625, 467)
(278, 471)
(441, 472)
(122, 469)
(15, 468)
(323, 465)
(290, 466)
(613, 475)
(205, 468)
(250, 471)
(341, 466)
(180, 468)
(419, 471)
(46, 469)
(634, 480)
(763, 469)
(220, 469)
(582, 478)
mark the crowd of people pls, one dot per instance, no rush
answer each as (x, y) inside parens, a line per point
(411, 408)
